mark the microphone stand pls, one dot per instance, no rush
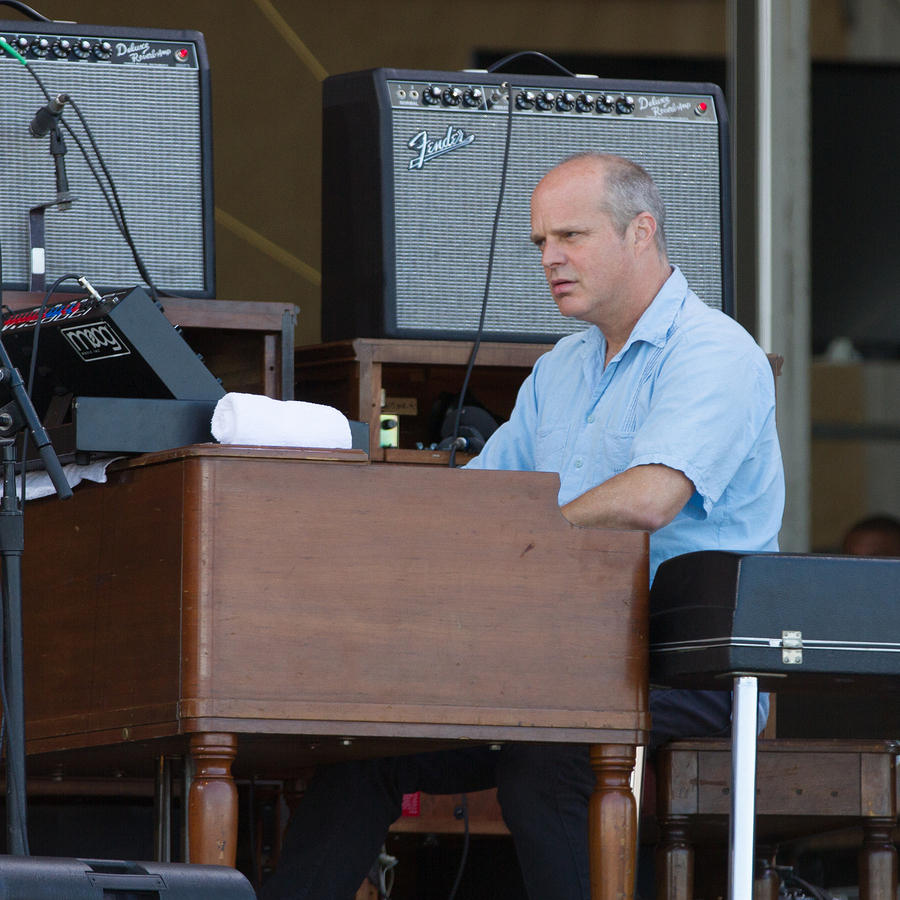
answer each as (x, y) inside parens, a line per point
(16, 414)
(36, 229)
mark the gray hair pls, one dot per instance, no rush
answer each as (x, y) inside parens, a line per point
(629, 191)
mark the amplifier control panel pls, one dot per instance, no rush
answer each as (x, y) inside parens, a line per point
(541, 100)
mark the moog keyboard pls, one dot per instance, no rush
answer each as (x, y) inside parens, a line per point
(118, 360)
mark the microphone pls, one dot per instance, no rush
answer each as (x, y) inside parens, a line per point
(476, 425)
(46, 121)
(47, 117)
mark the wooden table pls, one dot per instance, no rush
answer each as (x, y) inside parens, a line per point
(266, 609)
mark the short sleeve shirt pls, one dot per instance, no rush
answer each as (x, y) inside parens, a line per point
(690, 390)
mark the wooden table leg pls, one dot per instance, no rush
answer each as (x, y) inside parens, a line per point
(674, 860)
(613, 823)
(877, 861)
(213, 800)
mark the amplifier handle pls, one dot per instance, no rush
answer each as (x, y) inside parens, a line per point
(503, 65)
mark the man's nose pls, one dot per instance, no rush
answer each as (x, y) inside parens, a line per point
(551, 254)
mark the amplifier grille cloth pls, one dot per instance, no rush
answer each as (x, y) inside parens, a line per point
(447, 236)
(146, 121)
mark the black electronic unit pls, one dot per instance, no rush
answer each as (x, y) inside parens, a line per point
(137, 425)
(145, 94)
(56, 878)
(411, 168)
(117, 345)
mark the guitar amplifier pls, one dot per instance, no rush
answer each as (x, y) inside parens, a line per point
(411, 168)
(145, 94)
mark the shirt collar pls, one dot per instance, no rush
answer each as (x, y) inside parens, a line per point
(655, 325)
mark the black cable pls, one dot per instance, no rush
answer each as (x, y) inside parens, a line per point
(27, 10)
(29, 384)
(503, 64)
(90, 163)
(789, 880)
(464, 804)
(487, 280)
(40, 83)
(126, 233)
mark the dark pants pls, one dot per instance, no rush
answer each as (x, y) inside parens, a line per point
(543, 790)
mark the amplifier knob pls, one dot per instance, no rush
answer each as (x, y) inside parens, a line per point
(431, 95)
(62, 48)
(473, 96)
(21, 44)
(103, 50)
(525, 100)
(41, 47)
(625, 105)
(545, 100)
(605, 103)
(451, 97)
(565, 102)
(83, 48)
(584, 103)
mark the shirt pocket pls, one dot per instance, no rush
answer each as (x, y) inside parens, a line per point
(550, 448)
(615, 452)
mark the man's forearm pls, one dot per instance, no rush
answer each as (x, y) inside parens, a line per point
(644, 498)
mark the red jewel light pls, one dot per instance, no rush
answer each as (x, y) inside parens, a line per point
(181, 55)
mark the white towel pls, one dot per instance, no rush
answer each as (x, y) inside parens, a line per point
(262, 421)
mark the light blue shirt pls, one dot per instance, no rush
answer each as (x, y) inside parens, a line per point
(691, 390)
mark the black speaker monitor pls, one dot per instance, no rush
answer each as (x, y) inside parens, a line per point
(411, 171)
(60, 878)
(145, 94)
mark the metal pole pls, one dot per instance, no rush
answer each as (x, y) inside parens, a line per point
(743, 788)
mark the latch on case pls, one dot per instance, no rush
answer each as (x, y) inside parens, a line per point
(792, 647)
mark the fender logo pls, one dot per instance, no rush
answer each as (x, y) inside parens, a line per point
(427, 150)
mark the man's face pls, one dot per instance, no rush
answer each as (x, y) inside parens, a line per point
(586, 261)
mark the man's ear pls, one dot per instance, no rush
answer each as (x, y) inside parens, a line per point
(643, 228)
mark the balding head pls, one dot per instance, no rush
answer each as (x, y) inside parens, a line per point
(627, 189)
(603, 264)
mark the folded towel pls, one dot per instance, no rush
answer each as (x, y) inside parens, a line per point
(255, 419)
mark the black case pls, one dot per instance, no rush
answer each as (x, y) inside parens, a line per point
(795, 620)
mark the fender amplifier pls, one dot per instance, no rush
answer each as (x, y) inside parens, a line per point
(145, 94)
(412, 165)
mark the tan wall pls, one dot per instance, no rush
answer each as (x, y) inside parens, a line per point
(267, 98)
(855, 465)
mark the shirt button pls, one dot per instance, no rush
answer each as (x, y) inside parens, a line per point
(579, 463)
(590, 419)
